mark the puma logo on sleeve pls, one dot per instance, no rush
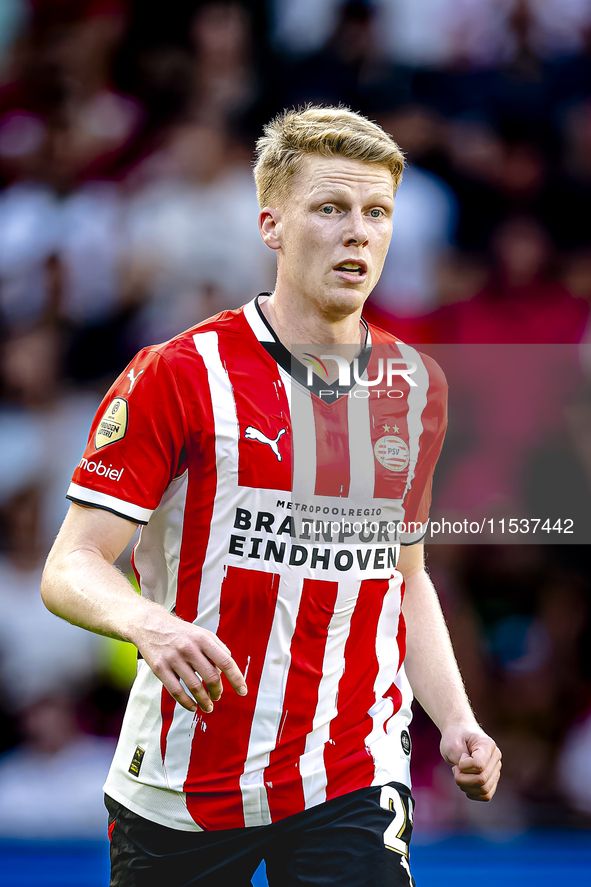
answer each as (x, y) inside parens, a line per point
(133, 378)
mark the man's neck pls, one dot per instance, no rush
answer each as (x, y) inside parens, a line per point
(293, 326)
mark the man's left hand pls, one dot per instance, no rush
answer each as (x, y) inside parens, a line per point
(476, 761)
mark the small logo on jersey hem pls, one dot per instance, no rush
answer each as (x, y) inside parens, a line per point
(405, 742)
(113, 424)
(252, 433)
(136, 761)
(392, 452)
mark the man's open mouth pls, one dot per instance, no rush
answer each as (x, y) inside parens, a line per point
(352, 268)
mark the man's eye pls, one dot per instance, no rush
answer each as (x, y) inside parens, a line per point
(327, 210)
(376, 213)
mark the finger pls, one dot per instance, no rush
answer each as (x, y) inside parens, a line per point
(217, 670)
(210, 637)
(485, 794)
(226, 664)
(481, 776)
(467, 764)
(478, 783)
(479, 760)
(177, 691)
(210, 678)
(171, 681)
(490, 786)
(481, 789)
(196, 687)
(473, 777)
(480, 751)
(201, 680)
(222, 645)
(207, 672)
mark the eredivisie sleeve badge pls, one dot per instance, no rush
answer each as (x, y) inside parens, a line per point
(113, 424)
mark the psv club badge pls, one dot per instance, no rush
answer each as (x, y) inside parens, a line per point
(392, 452)
(113, 424)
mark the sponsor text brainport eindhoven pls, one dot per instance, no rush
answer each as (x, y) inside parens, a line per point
(278, 535)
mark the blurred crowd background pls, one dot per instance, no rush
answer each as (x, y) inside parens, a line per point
(128, 212)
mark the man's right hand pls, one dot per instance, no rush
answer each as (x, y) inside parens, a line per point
(179, 651)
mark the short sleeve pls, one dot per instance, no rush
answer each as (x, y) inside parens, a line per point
(432, 420)
(136, 442)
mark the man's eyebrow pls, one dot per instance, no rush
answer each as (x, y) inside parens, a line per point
(380, 196)
(334, 191)
(329, 191)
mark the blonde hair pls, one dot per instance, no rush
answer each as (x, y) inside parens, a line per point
(293, 135)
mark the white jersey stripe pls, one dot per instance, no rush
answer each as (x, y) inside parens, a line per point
(169, 807)
(178, 754)
(158, 568)
(158, 563)
(269, 705)
(361, 457)
(226, 447)
(303, 442)
(226, 455)
(312, 768)
(386, 748)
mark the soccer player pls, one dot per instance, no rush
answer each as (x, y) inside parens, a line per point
(279, 459)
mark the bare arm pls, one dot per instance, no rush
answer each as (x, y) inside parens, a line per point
(81, 585)
(435, 678)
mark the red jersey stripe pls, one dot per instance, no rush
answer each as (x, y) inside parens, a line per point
(220, 744)
(167, 704)
(282, 778)
(389, 424)
(393, 692)
(201, 493)
(349, 764)
(264, 444)
(332, 447)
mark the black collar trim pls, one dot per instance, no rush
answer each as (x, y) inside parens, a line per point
(299, 372)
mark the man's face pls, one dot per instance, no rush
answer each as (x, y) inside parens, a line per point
(333, 233)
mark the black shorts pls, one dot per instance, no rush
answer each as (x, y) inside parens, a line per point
(358, 840)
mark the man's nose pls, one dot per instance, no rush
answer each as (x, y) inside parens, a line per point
(355, 232)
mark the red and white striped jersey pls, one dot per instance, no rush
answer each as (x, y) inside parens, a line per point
(272, 515)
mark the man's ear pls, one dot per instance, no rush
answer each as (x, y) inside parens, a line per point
(270, 226)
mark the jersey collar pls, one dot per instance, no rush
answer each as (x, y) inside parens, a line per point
(277, 350)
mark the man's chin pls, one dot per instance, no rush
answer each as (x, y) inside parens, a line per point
(343, 302)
